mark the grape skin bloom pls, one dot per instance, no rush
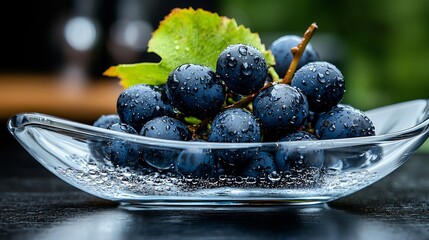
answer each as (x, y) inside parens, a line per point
(195, 90)
(243, 69)
(280, 108)
(140, 103)
(235, 125)
(322, 83)
(281, 49)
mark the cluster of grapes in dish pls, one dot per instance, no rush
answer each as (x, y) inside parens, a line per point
(237, 103)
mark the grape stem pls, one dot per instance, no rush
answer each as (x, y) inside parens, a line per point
(298, 51)
(199, 127)
(242, 103)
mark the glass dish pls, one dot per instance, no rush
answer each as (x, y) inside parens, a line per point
(66, 149)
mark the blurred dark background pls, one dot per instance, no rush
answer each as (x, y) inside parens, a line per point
(44, 36)
(380, 46)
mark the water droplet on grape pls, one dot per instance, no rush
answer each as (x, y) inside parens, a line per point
(242, 50)
(246, 69)
(257, 59)
(232, 62)
(321, 78)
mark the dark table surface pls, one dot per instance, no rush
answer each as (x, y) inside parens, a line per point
(34, 204)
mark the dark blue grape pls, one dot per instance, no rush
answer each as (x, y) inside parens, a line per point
(311, 120)
(299, 158)
(141, 103)
(243, 68)
(96, 145)
(280, 108)
(163, 128)
(322, 83)
(195, 162)
(260, 166)
(224, 170)
(283, 55)
(344, 122)
(106, 121)
(195, 90)
(119, 152)
(235, 125)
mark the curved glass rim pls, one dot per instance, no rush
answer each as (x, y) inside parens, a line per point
(52, 122)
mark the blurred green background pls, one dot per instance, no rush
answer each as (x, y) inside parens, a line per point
(380, 46)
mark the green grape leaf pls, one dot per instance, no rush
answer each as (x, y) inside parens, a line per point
(188, 36)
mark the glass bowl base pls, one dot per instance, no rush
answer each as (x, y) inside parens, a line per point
(220, 204)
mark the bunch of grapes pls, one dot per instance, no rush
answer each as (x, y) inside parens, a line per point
(238, 102)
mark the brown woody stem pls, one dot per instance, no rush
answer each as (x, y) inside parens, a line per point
(298, 51)
(242, 103)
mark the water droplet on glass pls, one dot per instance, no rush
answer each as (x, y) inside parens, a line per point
(238, 180)
(274, 176)
(251, 180)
